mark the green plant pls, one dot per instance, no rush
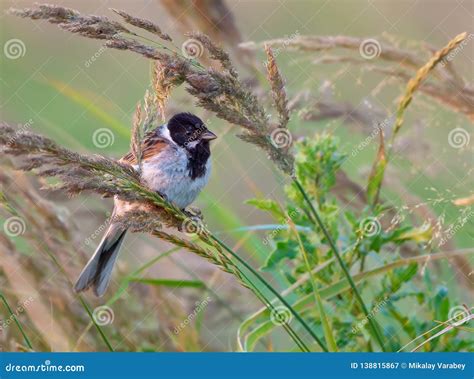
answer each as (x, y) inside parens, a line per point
(364, 240)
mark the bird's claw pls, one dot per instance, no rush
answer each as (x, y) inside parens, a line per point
(193, 212)
(163, 196)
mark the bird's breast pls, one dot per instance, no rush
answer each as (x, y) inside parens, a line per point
(169, 174)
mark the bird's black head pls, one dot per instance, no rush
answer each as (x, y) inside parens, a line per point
(188, 131)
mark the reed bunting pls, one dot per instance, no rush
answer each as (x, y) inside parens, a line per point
(175, 163)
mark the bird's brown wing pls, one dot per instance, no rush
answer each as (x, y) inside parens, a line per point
(151, 146)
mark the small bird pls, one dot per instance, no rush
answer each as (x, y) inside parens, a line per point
(175, 163)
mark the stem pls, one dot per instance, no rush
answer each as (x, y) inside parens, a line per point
(268, 304)
(272, 290)
(97, 326)
(192, 61)
(240, 274)
(328, 333)
(315, 213)
(237, 272)
(27, 341)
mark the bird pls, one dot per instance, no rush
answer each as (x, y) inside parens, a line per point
(175, 162)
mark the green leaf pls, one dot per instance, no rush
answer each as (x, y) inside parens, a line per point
(334, 289)
(6, 205)
(421, 234)
(269, 206)
(284, 250)
(402, 275)
(317, 160)
(441, 304)
(377, 173)
(254, 336)
(173, 283)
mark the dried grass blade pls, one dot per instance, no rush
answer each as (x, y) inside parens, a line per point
(418, 79)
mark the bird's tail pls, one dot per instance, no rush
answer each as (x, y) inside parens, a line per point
(98, 270)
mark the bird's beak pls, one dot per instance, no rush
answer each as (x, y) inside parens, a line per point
(208, 136)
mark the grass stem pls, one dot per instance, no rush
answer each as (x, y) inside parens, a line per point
(359, 299)
(328, 332)
(273, 291)
(20, 328)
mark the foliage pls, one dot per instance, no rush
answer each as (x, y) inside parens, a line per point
(365, 243)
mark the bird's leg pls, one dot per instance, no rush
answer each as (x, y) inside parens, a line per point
(193, 212)
(163, 196)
